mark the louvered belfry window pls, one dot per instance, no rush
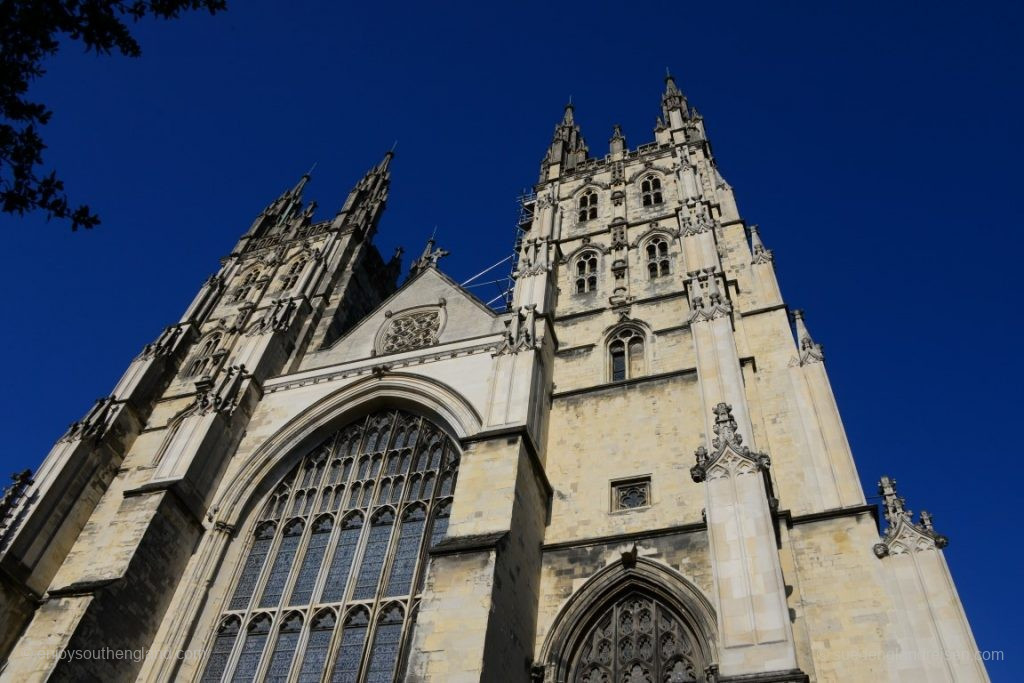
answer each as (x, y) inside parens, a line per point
(329, 582)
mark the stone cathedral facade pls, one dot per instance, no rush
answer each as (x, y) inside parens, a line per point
(636, 473)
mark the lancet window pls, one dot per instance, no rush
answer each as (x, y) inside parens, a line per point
(587, 206)
(650, 191)
(204, 361)
(329, 581)
(658, 262)
(248, 282)
(626, 354)
(291, 278)
(586, 272)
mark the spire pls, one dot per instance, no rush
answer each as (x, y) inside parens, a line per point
(366, 201)
(567, 147)
(673, 103)
(810, 351)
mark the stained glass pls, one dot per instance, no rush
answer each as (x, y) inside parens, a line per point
(253, 565)
(406, 554)
(252, 649)
(373, 556)
(346, 667)
(222, 646)
(440, 525)
(341, 564)
(317, 648)
(386, 642)
(386, 445)
(284, 651)
(310, 567)
(282, 565)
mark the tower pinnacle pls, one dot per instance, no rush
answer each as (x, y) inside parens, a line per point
(567, 147)
(673, 103)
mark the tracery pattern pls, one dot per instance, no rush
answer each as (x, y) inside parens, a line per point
(411, 331)
(331, 578)
(637, 640)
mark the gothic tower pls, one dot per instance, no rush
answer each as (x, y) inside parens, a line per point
(637, 472)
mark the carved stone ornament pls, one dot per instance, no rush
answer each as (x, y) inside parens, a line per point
(730, 456)
(810, 351)
(220, 395)
(902, 535)
(163, 345)
(707, 301)
(277, 318)
(520, 331)
(410, 331)
(95, 422)
(760, 253)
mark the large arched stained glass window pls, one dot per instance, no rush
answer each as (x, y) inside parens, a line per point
(637, 639)
(349, 526)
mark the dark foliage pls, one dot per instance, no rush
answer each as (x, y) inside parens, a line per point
(30, 31)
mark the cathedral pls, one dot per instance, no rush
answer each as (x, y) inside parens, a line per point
(634, 471)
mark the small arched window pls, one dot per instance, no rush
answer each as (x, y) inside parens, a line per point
(586, 273)
(626, 354)
(650, 190)
(203, 362)
(291, 278)
(658, 262)
(587, 206)
(248, 282)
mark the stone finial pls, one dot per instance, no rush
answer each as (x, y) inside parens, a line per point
(729, 455)
(673, 98)
(428, 259)
(902, 534)
(725, 427)
(617, 143)
(810, 350)
(760, 253)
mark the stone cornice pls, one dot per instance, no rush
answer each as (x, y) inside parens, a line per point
(623, 384)
(366, 366)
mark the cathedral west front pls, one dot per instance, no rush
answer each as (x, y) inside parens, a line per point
(634, 472)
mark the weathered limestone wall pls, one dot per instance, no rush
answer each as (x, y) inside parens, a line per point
(647, 428)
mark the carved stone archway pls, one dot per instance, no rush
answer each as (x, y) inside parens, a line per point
(628, 606)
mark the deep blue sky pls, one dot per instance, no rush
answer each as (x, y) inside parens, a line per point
(877, 147)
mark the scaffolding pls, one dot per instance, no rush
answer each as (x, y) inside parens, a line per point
(526, 204)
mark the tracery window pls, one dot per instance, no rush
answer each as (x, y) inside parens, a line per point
(203, 362)
(350, 525)
(586, 273)
(658, 263)
(587, 206)
(637, 639)
(291, 278)
(411, 331)
(626, 354)
(650, 190)
(248, 282)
